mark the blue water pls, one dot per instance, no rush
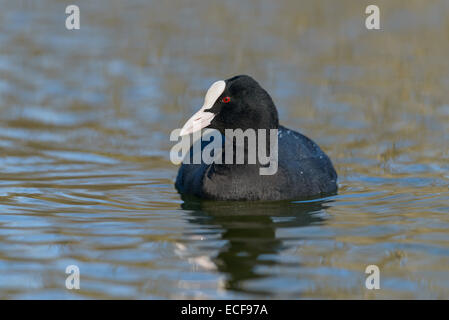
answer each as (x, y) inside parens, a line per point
(85, 175)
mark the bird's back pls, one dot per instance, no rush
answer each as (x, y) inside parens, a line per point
(304, 170)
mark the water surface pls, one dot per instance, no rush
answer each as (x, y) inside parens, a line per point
(85, 175)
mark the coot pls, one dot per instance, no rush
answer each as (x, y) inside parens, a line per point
(303, 169)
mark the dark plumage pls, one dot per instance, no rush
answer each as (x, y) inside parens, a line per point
(304, 170)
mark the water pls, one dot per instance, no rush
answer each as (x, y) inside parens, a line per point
(85, 176)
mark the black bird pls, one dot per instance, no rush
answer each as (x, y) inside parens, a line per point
(303, 169)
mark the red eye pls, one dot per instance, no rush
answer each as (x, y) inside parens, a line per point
(226, 99)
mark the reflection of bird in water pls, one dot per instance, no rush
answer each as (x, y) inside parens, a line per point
(250, 230)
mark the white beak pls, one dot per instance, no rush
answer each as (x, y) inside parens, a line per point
(202, 118)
